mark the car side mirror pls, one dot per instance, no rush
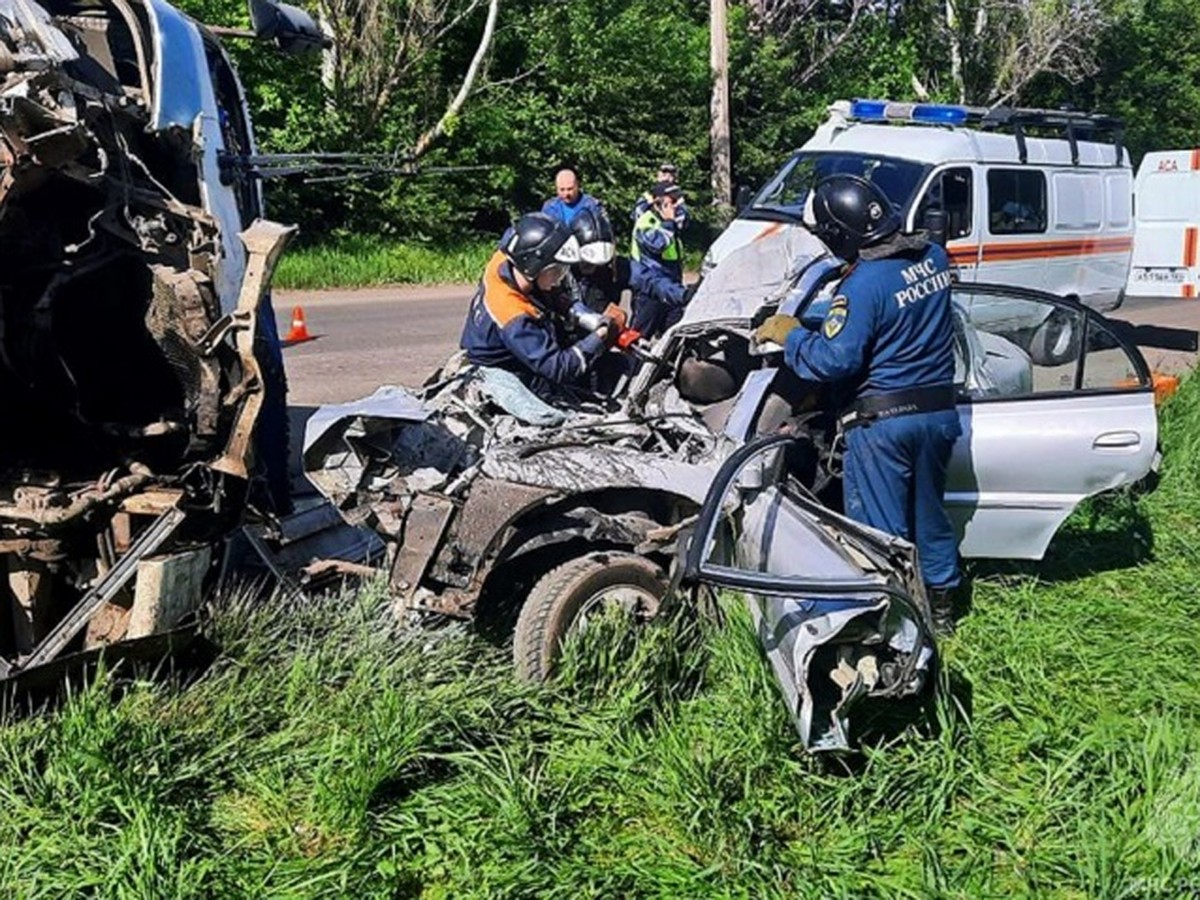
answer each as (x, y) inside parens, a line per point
(935, 222)
(743, 197)
(292, 29)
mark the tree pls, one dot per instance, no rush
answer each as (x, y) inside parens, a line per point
(997, 48)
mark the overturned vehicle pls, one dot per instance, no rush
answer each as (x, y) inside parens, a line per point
(138, 360)
(717, 466)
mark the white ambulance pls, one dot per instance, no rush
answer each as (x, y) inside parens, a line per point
(1046, 212)
(1167, 226)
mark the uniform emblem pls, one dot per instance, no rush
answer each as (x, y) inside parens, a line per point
(835, 319)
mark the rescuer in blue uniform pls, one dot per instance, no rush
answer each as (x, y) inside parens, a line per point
(516, 318)
(890, 332)
(601, 276)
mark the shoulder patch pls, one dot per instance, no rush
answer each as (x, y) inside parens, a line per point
(835, 319)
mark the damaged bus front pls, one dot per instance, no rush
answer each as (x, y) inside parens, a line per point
(135, 360)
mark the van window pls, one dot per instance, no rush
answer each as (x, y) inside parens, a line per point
(787, 192)
(1078, 201)
(1167, 197)
(951, 191)
(1016, 201)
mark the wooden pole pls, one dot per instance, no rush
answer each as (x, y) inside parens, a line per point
(722, 179)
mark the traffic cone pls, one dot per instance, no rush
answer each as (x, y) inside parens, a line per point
(299, 331)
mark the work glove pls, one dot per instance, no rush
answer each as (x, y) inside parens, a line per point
(614, 312)
(775, 329)
(609, 333)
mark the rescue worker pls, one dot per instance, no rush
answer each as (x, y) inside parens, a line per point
(569, 199)
(656, 246)
(667, 173)
(889, 329)
(601, 276)
(515, 320)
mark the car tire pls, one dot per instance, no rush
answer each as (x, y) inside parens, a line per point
(562, 598)
(1056, 341)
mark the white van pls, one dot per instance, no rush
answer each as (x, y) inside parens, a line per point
(1167, 226)
(1049, 213)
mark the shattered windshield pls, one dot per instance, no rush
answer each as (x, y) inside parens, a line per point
(787, 192)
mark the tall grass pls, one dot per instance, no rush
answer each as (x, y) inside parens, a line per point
(363, 260)
(327, 753)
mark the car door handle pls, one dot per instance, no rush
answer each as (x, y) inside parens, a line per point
(1117, 440)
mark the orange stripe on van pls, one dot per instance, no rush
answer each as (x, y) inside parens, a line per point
(1012, 250)
(1189, 246)
(1195, 159)
(1188, 290)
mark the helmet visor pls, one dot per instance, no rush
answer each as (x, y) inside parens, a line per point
(599, 253)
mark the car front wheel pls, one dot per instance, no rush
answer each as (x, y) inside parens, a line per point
(566, 598)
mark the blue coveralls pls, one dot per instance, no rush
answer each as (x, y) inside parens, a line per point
(655, 246)
(505, 329)
(604, 285)
(891, 326)
(566, 213)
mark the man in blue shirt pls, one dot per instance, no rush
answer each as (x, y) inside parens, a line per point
(889, 333)
(569, 200)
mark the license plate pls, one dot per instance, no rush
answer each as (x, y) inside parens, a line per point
(1161, 276)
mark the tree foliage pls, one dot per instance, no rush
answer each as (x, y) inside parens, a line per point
(616, 86)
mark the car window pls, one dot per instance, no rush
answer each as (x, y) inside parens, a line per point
(788, 190)
(1010, 346)
(951, 191)
(1016, 201)
(1107, 365)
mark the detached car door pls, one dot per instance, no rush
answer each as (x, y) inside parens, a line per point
(839, 608)
(1055, 405)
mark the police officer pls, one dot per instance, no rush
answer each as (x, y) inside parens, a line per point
(515, 320)
(656, 246)
(601, 276)
(667, 173)
(890, 330)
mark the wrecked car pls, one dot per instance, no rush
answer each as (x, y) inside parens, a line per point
(491, 500)
(137, 353)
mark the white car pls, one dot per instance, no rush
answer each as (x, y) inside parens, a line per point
(495, 504)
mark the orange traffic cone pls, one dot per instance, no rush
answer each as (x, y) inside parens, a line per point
(299, 331)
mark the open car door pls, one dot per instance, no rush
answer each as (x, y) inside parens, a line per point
(839, 608)
(1056, 405)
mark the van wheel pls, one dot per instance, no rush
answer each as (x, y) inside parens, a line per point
(1056, 341)
(565, 598)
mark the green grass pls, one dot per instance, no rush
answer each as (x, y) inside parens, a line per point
(326, 754)
(364, 261)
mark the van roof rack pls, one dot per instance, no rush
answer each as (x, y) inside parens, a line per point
(1071, 124)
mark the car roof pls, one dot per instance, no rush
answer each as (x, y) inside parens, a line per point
(931, 145)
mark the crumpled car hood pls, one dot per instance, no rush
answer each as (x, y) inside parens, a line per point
(762, 271)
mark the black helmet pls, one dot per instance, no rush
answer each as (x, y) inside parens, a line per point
(537, 242)
(850, 213)
(594, 232)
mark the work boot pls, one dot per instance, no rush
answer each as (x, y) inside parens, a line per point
(941, 604)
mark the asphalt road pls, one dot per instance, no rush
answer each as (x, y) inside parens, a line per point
(399, 335)
(365, 338)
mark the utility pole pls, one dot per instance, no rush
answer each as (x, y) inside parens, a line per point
(722, 179)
